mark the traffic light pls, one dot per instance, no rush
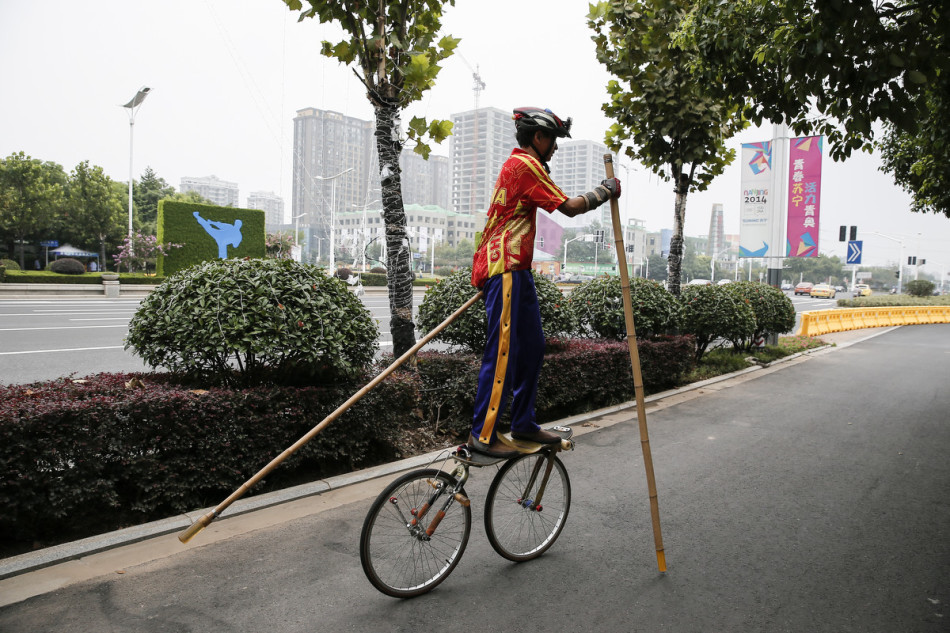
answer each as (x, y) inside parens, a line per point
(854, 233)
(923, 262)
(842, 233)
(911, 261)
(897, 274)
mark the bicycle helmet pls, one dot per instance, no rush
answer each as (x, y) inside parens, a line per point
(541, 119)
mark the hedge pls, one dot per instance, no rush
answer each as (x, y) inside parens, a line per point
(85, 456)
(46, 277)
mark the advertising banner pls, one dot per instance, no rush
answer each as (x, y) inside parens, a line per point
(755, 208)
(804, 196)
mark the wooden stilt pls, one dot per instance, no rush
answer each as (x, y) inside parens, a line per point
(637, 375)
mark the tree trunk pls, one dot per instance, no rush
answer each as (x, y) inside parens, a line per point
(675, 262)
(398, 252)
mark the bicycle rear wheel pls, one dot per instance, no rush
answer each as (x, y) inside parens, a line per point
(400, 559)
(518, 527)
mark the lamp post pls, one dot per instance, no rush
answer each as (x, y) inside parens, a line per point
(296, 233)
(332, 179)
(132, 106)
(900, 262)
(365, 244)
(573, 239)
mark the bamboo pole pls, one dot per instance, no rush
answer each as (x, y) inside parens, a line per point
(203, 522)
(637, 375)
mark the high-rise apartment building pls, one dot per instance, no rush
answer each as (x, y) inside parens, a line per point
(717, 242)
(334, 164)
(481, 141)
(271, 204)
(424, 182)
(578, 166)
(212, 188)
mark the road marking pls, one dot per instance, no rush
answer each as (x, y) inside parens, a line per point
(74, 327)
(103, 319)
(38, 313)
(71, 349)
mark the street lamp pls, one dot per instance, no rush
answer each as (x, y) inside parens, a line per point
(900, 262)
(132, 107)
(356, 206)
(332, 179)
(573, 239)
(296, 249)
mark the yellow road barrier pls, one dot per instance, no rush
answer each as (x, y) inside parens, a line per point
(818, 322)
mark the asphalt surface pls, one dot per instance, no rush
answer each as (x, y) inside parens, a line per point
(809, 496)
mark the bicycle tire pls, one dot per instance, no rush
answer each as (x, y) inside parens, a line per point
(517, 530)
(400, 563)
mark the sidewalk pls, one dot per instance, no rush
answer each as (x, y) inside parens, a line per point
(46, 570)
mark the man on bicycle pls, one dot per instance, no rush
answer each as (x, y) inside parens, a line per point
(502, 269)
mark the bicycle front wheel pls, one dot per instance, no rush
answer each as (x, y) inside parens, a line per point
(401, 559)
(518, 527)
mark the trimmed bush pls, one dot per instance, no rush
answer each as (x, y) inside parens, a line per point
(67, 266)
(469, 330)
(443, 271)
(920, 288)
(250, 321)
(773, 310)
(95, 455)
(9, 264)
(711, 313)
(598, 307)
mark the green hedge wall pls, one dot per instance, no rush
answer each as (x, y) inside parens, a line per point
(177, 224)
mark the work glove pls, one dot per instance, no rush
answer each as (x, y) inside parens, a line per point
(613, 186)
(603, 192)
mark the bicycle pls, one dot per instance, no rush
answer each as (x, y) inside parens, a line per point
(417, 528)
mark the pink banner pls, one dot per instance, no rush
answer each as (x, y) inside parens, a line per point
(548, 235)
(804, 196)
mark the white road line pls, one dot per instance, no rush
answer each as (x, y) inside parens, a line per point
(35, 314)
(71, 349)
(103, 319)
(73, 327)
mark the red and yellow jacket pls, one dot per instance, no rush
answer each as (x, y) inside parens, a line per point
(508, 239)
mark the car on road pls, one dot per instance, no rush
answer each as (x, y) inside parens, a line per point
(823, 290)
(723, 282)
(699, 282)
(787, 286)
(804, 288)
(861, 290)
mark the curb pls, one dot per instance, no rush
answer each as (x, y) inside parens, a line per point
(33, 561)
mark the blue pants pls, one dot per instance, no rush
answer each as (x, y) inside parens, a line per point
(513, 355)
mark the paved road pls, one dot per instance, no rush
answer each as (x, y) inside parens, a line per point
(810, 497)
(48, 337)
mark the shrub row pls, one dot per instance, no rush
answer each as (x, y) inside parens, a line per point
(80, 457)
(47, 277)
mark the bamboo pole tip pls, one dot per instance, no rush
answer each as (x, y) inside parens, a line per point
(661, 560)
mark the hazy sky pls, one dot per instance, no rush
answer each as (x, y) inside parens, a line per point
(227, 77)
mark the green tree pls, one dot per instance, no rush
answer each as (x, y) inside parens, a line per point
(94, 207)
(31, 191)
(836, 68)
(657, 267)
(674, 125)
(146, 194)
(395, 47)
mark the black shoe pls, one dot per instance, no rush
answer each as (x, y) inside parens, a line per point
(540, 436)
(495, 449)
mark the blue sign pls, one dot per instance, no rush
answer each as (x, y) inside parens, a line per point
(49, 243)
(854, 251)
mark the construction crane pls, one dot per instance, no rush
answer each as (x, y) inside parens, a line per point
(477, 86)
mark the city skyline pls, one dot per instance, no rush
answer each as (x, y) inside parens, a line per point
(227, 78)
